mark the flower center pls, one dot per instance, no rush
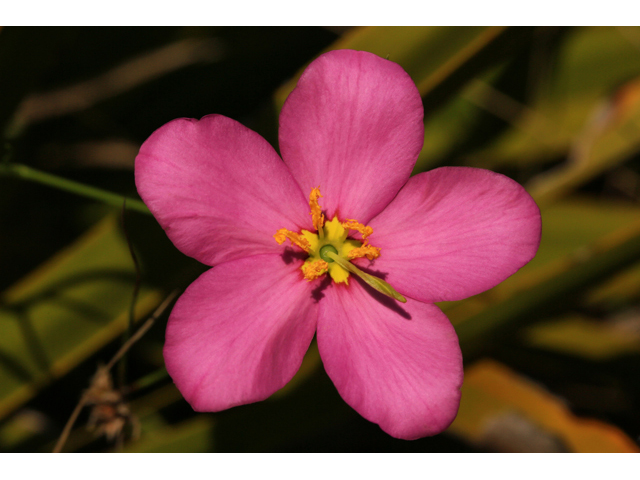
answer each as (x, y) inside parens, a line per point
(330, 250)
(324, 252)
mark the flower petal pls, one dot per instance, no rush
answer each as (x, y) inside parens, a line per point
(240, 331)
(218, 189)
(454, 232)
(399, 366)
(354, 126)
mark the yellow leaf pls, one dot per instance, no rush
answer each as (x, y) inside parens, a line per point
(503, 409)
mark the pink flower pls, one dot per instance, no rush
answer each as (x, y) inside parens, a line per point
(354, 127)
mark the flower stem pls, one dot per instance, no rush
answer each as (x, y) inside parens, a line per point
(27, 173)
(374, 282)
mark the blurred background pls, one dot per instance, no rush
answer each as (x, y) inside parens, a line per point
(552, 355)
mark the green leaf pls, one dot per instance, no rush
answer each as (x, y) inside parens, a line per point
(619, 291)
(191, 436)
(589, 113)
(593, 61)
(584, 337)
(65, 311)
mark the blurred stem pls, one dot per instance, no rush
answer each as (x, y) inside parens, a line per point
(67, 428)
(27, 173)
(148, 380)
(122, 369)
(143, 329)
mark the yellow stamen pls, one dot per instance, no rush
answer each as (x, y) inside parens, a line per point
(296, 239)
(331, 251)
(314, 269)
(365, 250)
(316, 210)
(355, 225)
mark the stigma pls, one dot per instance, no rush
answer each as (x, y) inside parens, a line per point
(331, 249)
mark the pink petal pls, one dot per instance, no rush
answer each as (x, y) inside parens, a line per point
(397, 365)
(218, 189)
(454, 232)
(353, 126)
(239, 332)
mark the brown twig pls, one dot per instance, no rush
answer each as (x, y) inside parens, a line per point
(143, 329)
(127, 345)
(67, 428)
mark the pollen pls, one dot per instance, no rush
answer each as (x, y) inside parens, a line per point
(316, 210)
(365, 250)
(314, 269)
(364, 230)
(296, 239)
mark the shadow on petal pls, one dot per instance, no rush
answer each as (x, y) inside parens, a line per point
(317, 292)
(382, 299)
(290, 255)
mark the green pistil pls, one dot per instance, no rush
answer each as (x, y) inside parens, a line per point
(324, 252)
(374, 282)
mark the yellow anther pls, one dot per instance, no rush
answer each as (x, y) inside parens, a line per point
(296, 239)
(314, 269)
(316, 210)
(355, 225)
(365, 250)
